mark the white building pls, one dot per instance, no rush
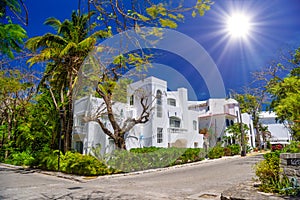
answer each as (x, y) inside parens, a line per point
(279, 132)
(174, 122)
(215, 115)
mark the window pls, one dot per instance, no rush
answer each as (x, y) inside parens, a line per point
(231, 122)
(227, 123)
(159, 135)
(171, 102)
(174, 122)
(131, 101)
(195, 125)
(79, 121)
(159, 103)
(195, 144)
(158, 97)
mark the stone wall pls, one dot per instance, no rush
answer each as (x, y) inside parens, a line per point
(290, 163)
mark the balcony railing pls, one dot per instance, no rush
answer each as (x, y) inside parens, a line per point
(177, 130)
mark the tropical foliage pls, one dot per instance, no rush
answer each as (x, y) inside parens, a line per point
(251, 103)
(64, 53)
(285, 94)
(12, 34)
(269, 173)
(216, 152)
(16, 91)
(236, 132)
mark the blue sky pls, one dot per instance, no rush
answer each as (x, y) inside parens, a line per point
(275, 26)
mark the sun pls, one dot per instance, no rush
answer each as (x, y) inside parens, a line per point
(238, 25)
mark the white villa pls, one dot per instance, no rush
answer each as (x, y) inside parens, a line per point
(215, 115)
(279, 132)
(175, 121)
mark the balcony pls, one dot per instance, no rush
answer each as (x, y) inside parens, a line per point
(177, 130)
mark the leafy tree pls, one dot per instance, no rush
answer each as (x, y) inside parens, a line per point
(120, 91)
(265, 133)
(134, 14)
(236, 132)
(39, 128)
(64, 53)
(286, 102)
(16, 91)
(11, 34)
(251, 102)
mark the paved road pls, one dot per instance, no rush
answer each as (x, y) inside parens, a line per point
(202, 180)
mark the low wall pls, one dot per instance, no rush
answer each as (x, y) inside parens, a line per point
(290, 163)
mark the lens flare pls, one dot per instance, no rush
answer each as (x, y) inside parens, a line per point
(238, 25)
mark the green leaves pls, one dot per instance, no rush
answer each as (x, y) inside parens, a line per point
(286, 100)
(156, 10)
(201, 7)
(12, 36)
(168, 23)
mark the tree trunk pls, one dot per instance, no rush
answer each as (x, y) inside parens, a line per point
(69, 113)
(120, 142)
(9, 128)
(258, 136)
(69, 128)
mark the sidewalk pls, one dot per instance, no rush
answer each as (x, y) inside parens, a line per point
(249, 191)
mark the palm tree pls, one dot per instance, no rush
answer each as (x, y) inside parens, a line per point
(265, 133)
(64, 53)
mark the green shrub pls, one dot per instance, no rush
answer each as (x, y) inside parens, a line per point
(293, 147)
(192, 155)
(235, 149)
(269, 145)
(145, 149)
(267, 171)
(47, 160)
(227, 151)
(216, 152)
(248, 149)
(152, 157)
(76, 163)
(144, 158)
(21, 158)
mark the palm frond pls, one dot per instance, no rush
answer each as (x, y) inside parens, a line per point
(53, 22)
(68, 48)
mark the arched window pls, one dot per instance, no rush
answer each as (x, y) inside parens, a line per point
(159, 103)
